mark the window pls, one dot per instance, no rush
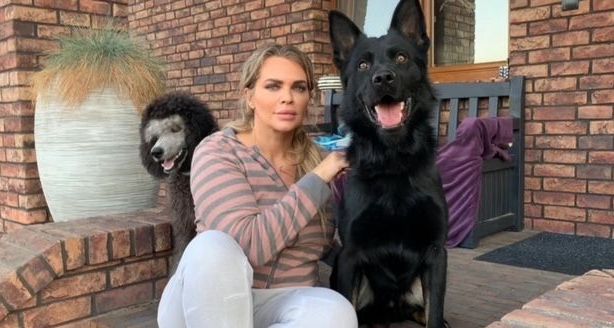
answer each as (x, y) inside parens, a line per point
(469, 38)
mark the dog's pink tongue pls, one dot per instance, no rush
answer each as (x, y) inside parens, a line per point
(389, 115)
(168, 164)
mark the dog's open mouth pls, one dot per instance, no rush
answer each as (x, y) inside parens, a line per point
(388, 113)
(175, 162)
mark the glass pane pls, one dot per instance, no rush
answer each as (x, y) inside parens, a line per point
(377, 18)
(470, 31)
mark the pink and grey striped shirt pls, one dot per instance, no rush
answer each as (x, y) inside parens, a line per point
(236, 190)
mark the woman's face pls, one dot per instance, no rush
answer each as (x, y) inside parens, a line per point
(280, 96)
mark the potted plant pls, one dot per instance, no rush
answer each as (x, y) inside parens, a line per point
(86, 124)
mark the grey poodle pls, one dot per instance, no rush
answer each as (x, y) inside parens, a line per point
(171, 127)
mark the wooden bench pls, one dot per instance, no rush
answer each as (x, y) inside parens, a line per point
(502, 201)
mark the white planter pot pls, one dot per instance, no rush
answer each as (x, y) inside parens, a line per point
(88, 157)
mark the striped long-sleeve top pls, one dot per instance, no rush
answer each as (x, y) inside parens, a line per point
(236, 190)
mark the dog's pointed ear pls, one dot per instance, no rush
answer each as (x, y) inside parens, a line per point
(343, 35)
(409, 20)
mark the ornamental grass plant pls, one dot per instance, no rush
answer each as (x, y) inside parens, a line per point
(89, 60)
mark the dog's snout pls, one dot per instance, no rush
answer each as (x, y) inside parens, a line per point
(384, 77)
(157, 153)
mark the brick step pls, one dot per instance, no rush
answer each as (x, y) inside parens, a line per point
(138, 316)
(585, 301)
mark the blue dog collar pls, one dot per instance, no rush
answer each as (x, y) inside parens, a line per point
(333, 142)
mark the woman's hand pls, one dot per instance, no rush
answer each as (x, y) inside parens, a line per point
(333, 164)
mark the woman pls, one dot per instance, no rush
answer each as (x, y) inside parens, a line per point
(260, 190)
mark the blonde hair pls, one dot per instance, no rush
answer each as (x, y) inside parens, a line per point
(303, 150)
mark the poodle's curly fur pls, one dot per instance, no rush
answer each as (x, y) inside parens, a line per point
(171, 128)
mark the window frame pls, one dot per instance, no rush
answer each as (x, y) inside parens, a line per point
(451, 73)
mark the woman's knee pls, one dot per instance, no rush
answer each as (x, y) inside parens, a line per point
(213, 249)
(216, 280)
(323, 307)
(340, 309)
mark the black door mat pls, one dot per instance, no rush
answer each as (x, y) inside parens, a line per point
(573, 255)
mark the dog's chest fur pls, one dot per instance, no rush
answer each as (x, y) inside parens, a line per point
(391, 210)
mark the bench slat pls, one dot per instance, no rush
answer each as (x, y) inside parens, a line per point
(435, 120)
(453, 119)
(493, 105)
(516, 95)
(473, 107)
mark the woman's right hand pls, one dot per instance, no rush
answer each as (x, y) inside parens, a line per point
(331, 166)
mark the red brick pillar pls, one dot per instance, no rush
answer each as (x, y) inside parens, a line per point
(27, 29)
(568, 59)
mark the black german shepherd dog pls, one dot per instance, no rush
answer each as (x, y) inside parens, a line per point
(393, 220)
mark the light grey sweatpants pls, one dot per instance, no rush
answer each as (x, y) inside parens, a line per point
(212, 288)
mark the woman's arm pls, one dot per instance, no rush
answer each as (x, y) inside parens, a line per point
(224, 200)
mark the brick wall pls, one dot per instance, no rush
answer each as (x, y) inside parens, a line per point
(568, 59)
(27, 29)
(205, 44)
(566, 56)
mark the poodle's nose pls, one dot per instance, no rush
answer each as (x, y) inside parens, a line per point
(157, 153)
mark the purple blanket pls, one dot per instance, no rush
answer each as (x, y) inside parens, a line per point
(460, 165)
